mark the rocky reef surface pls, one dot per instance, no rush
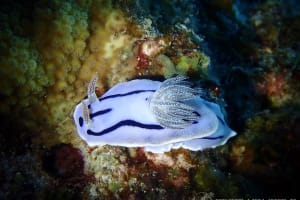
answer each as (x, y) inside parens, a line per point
(245, 54)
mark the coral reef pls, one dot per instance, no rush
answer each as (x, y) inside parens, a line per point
(267, 150)
(243, 53)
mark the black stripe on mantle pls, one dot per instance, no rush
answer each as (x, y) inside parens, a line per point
(212, 138)
(125, 123)
(100, 112)
(125, 94)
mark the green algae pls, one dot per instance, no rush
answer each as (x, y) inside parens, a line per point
(196, 64)
(115, 187)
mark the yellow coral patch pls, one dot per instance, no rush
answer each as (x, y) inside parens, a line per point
(51, 67)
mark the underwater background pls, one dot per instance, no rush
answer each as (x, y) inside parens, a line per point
(245, 54)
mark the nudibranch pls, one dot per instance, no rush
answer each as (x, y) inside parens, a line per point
(158, 116)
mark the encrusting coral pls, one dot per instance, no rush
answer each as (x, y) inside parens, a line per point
(46, 68)
(22, 80)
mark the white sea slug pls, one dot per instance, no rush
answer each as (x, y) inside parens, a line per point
(158, 116)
